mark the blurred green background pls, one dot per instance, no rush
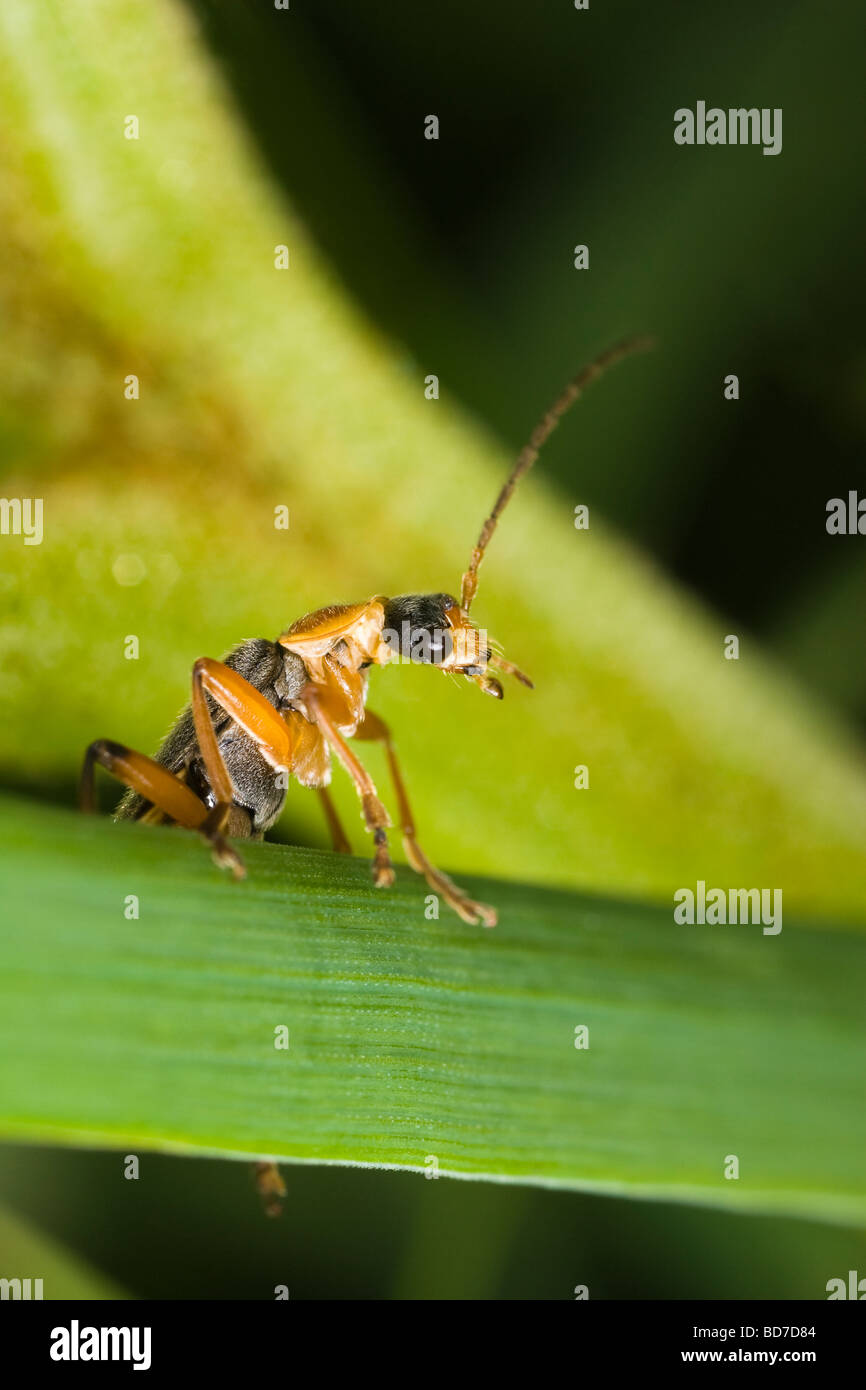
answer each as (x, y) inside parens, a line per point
(556, 129)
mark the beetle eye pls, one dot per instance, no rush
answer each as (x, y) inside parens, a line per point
(431, 645)
(427, 645)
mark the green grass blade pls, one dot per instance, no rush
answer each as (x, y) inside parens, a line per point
(411, 1038)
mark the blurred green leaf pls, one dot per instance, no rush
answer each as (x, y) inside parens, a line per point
(412, 1038)
(26, 1253)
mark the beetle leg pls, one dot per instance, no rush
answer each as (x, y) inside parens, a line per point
(157, 785)
(270, 1186)
(374, 728)
(338, 834)
(373, 812)
(251, 712)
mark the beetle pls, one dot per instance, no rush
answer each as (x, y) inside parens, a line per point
(288, 706)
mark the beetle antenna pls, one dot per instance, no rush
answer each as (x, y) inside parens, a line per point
(529, 453)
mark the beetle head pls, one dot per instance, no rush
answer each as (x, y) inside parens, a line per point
(435, 630)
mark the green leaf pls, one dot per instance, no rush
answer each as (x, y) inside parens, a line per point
(412, 1039)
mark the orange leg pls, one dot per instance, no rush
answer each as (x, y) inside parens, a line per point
(338, 834)
(252, 712)
(271, 1187)
(373, 812)
(156, 784)
(374, 728)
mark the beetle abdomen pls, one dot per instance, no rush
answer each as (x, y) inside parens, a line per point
(280, 676)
